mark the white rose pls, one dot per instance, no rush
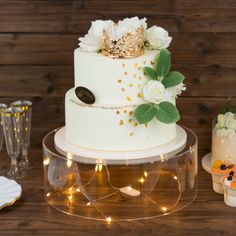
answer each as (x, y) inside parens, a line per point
(123, 27)
(232, 125)
(154, 91)
(177, 90)
(228, 117)
(158, 38)
(93, 40)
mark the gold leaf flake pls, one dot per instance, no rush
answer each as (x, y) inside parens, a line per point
(146, 125)
(129, 98)
(121, 122)
(122, 89)
(123, 65)
(139, 68)
(140, 78)
(131, 85)
(131, 134)
(131, 113)
(130, 120)
(117, 113)
(119, 80)
(126, 73)
(125, 111)
(139, 95)
(134, 75)
(135, 124)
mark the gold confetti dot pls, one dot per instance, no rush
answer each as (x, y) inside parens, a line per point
(135, 65)
(140, 78)
(119, 80)
(139, 85)
(139, 68)
(139, 95)
(123, 65)
(122, 89)
(121, 122)
(146, 125)
(131, 85)
(125, 111)
(131, 113)
(130, 120)
(131, 134)
(117, 113)
(134, 75)
(129, 98)
(135, 124)
(126, 73)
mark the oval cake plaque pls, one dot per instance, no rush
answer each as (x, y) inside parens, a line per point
(85, 95)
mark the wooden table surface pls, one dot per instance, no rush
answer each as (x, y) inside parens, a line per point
(31, 215)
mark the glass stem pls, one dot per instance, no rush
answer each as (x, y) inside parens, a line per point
(25, 156)
(14, 168)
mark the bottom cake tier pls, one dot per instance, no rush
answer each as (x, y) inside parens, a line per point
(112, 128)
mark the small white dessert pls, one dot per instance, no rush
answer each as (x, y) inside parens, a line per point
(224, 139)
(220, 169)
(229, 184)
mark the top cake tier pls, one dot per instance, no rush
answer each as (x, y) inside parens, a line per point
(112, 81)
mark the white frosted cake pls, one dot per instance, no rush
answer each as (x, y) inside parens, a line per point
(124, 94)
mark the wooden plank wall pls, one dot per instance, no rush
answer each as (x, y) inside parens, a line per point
(37, 39)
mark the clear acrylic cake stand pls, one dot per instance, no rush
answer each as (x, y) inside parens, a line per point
(122, 191)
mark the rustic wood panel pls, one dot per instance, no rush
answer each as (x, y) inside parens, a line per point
(75, 16)
(57, 49)
(201, 80)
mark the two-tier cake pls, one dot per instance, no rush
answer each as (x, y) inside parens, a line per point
(125, 92)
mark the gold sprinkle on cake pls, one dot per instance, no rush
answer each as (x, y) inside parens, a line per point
(139, 68)
(131, 134)
(125, 111)
(134, 75)
(135, 124)
(129, 98)
(130, 120)
(139, 95)
(122, 89)
(126, 73)
(121, 122)
(117, 113)
(131, 113)
(119, 80)
(131, 85)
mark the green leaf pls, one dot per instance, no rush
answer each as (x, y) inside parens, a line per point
(163, 63)
(167, 113)
(145, 113)
(172, 79)
(150, 72)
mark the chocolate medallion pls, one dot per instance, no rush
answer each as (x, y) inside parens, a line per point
(85, 95)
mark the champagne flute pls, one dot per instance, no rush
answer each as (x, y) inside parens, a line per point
(12, 125)
(26, 107)
(2, 168)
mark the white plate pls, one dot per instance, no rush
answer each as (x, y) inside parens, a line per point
(10, 191)
(206, 163)
(86, 155)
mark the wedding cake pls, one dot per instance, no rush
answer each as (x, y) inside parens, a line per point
(125, 93)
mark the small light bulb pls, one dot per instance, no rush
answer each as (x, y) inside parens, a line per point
(145, 174)
(100, 168)
(70, 197)
(175, 177)
(48, 194)
(46, 162)
(69, 163)
(88, 204)
(129, 188)
(78, 190)
(108, 219)
(71, 188)
(141, 180)
(164, 209)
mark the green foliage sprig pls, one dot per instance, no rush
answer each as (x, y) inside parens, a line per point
(165, 111)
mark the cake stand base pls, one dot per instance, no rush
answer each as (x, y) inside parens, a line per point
(120, 192)
(206, 163)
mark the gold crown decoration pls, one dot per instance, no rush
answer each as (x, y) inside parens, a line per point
(129, 45)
